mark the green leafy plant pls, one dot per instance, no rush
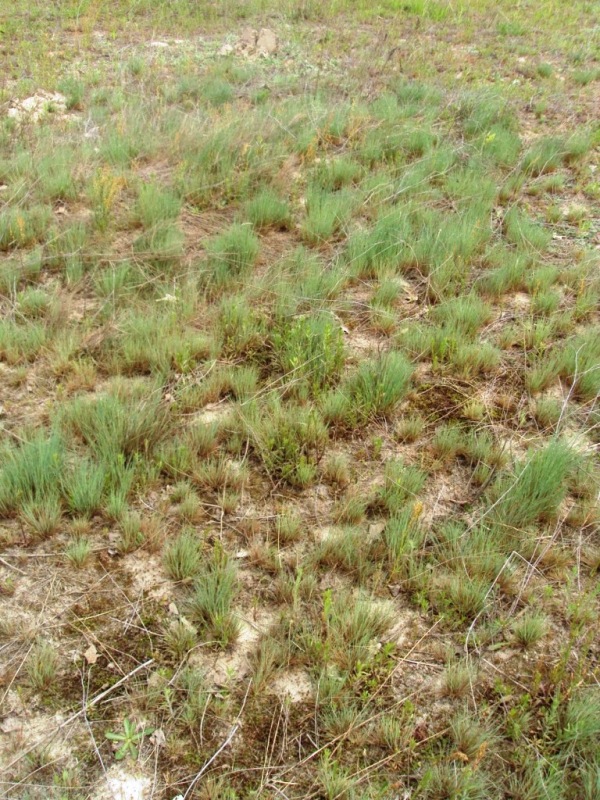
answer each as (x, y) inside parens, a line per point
(290, 441)
(310, 350)
(126, 743)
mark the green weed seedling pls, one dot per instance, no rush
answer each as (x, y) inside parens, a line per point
(126, 744)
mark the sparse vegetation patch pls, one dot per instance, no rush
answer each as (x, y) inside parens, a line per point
(299, 407)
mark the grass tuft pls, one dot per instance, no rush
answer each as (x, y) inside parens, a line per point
(181, 556)
(378, 386)
(231, 254)
(537, 487)
(30, 474)
(211, 601)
